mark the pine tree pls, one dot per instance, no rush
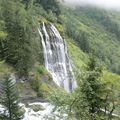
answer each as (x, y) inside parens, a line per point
(10, 100)
(92, 87)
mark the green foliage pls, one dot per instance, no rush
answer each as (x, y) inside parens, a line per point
(50, 5)
(112, 82)
(19, 42)
(78, 57)
(2, 35)
(88, 29)
(10, 99)
(4, 68)
(50, 16)
(41, 69)
(25, 89)
(80, 37)
(41, 82)
(91, 87)
(60, 28)
(72, 106)
(27, 3)
(36, 85)
(104, 19)
(95, 29)
(16, 48)
(91, 96)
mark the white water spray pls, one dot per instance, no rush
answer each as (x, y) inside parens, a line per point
(56, 57)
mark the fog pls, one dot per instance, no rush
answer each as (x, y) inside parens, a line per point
(108, 4)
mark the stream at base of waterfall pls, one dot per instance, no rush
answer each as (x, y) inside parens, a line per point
(47, 112)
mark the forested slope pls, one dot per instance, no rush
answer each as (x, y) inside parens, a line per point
(96, 30)
(93, 29)
(87, 31)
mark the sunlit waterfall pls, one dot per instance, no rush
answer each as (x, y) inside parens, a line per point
(56, 57)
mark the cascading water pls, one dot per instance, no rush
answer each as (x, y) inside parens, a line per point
(56, 58)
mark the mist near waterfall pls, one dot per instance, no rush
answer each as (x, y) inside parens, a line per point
(107, 4)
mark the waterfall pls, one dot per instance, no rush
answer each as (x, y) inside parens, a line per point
(56, 57)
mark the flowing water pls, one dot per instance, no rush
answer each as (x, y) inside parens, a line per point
(56, 57)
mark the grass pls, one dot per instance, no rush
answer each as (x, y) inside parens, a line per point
(5, 68)
(78, 57)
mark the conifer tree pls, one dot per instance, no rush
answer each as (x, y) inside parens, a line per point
(10, 100)
(92, 87)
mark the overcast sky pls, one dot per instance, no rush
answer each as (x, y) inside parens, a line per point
(114, 4)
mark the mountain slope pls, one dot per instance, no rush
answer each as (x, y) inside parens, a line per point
(96, 30)
(86, 30)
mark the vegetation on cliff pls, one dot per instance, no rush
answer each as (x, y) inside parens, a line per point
(87, 30)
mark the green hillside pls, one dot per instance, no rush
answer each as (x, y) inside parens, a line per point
(88, 31)
(96, 30)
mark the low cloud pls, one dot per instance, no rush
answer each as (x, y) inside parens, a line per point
(108, 4)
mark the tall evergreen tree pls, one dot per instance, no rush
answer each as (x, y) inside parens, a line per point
(10, 100)
(92, 87)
